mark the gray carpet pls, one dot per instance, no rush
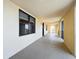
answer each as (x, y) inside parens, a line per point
(47, 47)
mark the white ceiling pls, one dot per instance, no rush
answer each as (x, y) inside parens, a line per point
(45, 8)
(49, 20)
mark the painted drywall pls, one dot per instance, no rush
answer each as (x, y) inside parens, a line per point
(57, 28)
(69, 30)
(14, 43)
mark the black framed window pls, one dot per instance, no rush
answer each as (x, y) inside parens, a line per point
(26, 23)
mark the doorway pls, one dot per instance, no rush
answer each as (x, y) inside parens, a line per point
(42, 29)
(62, 29)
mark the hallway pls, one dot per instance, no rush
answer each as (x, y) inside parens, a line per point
(48, 47)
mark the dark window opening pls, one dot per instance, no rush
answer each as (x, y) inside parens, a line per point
(26, 23)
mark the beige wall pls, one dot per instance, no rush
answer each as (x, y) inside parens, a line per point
(57, 28)
(69, 30)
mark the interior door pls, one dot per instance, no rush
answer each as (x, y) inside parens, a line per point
(62, 30)
(42, 29)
